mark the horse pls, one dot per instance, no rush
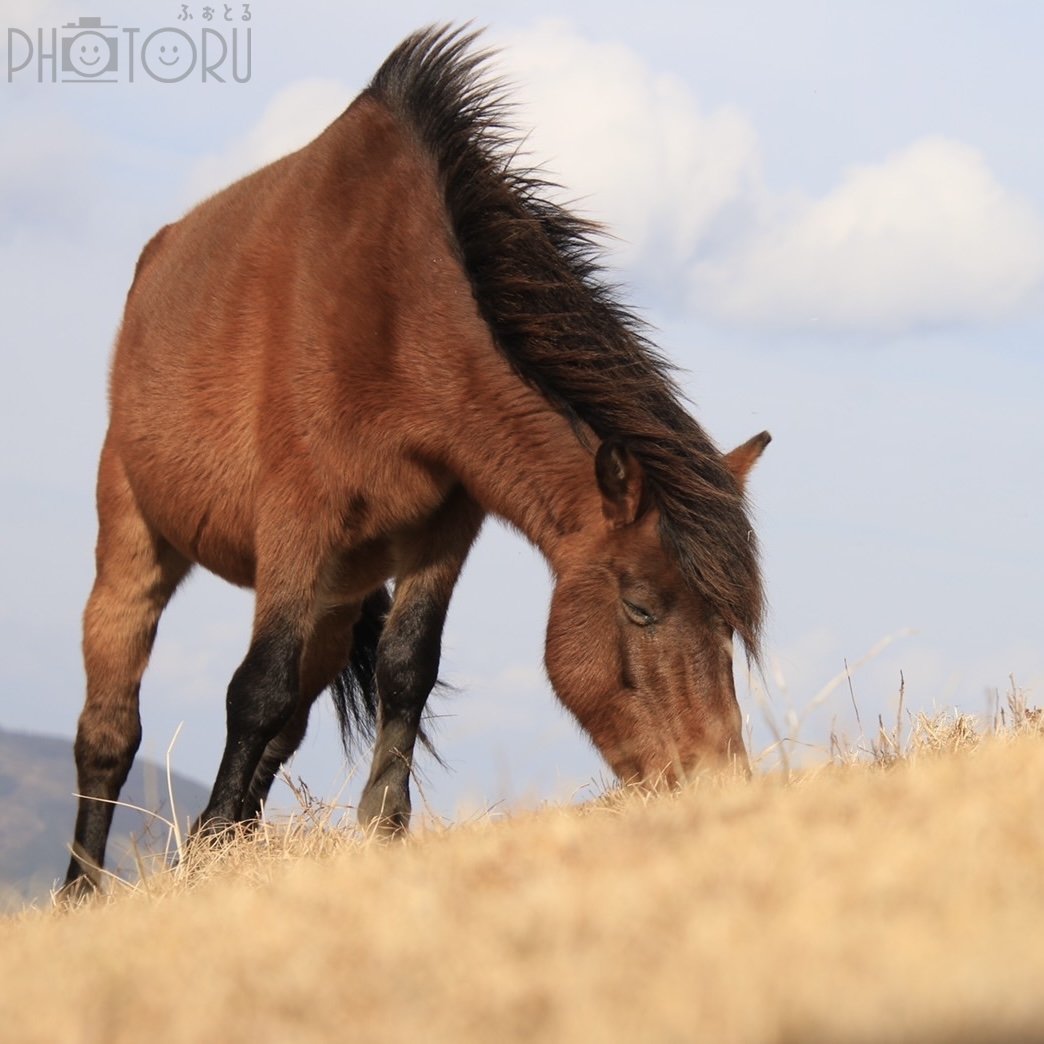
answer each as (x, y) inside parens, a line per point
(326, 376)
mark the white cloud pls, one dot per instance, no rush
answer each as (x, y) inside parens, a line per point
(926, 236)
(632, 144)
(296, 115)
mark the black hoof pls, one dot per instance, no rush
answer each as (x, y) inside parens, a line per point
(76, 890)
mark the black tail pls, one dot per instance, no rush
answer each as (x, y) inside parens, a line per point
(354, 690)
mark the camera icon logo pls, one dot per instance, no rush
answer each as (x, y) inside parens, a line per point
(88, 53)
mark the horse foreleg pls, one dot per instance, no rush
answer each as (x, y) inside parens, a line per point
(408, 661)
(137, 573)
(326, 653)
(265, 690)
(262, 698)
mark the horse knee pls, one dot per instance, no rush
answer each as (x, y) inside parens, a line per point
(265, 689)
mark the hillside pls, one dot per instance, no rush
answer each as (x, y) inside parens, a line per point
(37, 810)
(856, 902)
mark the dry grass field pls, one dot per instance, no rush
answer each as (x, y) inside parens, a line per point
(876, 898)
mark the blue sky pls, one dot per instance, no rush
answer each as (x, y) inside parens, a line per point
(832, 215)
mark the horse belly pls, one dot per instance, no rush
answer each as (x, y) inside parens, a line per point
(194, 483)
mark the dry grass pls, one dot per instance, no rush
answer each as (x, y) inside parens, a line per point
(893, 893)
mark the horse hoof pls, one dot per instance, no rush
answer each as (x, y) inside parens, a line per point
(76, 891)
(384, 813)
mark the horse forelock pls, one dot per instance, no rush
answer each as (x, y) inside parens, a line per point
(537, 275)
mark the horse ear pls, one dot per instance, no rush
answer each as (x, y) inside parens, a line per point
(620, 481)
(742, 458)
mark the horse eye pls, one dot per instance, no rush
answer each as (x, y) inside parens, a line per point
(638, 615)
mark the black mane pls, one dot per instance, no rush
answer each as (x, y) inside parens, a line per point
(537, 276)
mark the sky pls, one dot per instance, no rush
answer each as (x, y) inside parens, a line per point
(832, 217)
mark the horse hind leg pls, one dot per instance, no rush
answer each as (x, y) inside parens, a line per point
(136, 574)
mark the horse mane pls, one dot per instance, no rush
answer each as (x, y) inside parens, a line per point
(537, 276)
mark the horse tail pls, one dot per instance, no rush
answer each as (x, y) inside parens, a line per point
(354, 690)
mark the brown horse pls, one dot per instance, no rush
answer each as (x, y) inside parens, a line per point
(326, 376)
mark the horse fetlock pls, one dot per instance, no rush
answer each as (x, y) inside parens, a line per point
(385, 807)
(214, 827)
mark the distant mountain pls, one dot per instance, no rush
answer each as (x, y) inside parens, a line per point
(37, 812)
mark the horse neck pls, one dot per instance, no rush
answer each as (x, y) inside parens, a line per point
(523, 461)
